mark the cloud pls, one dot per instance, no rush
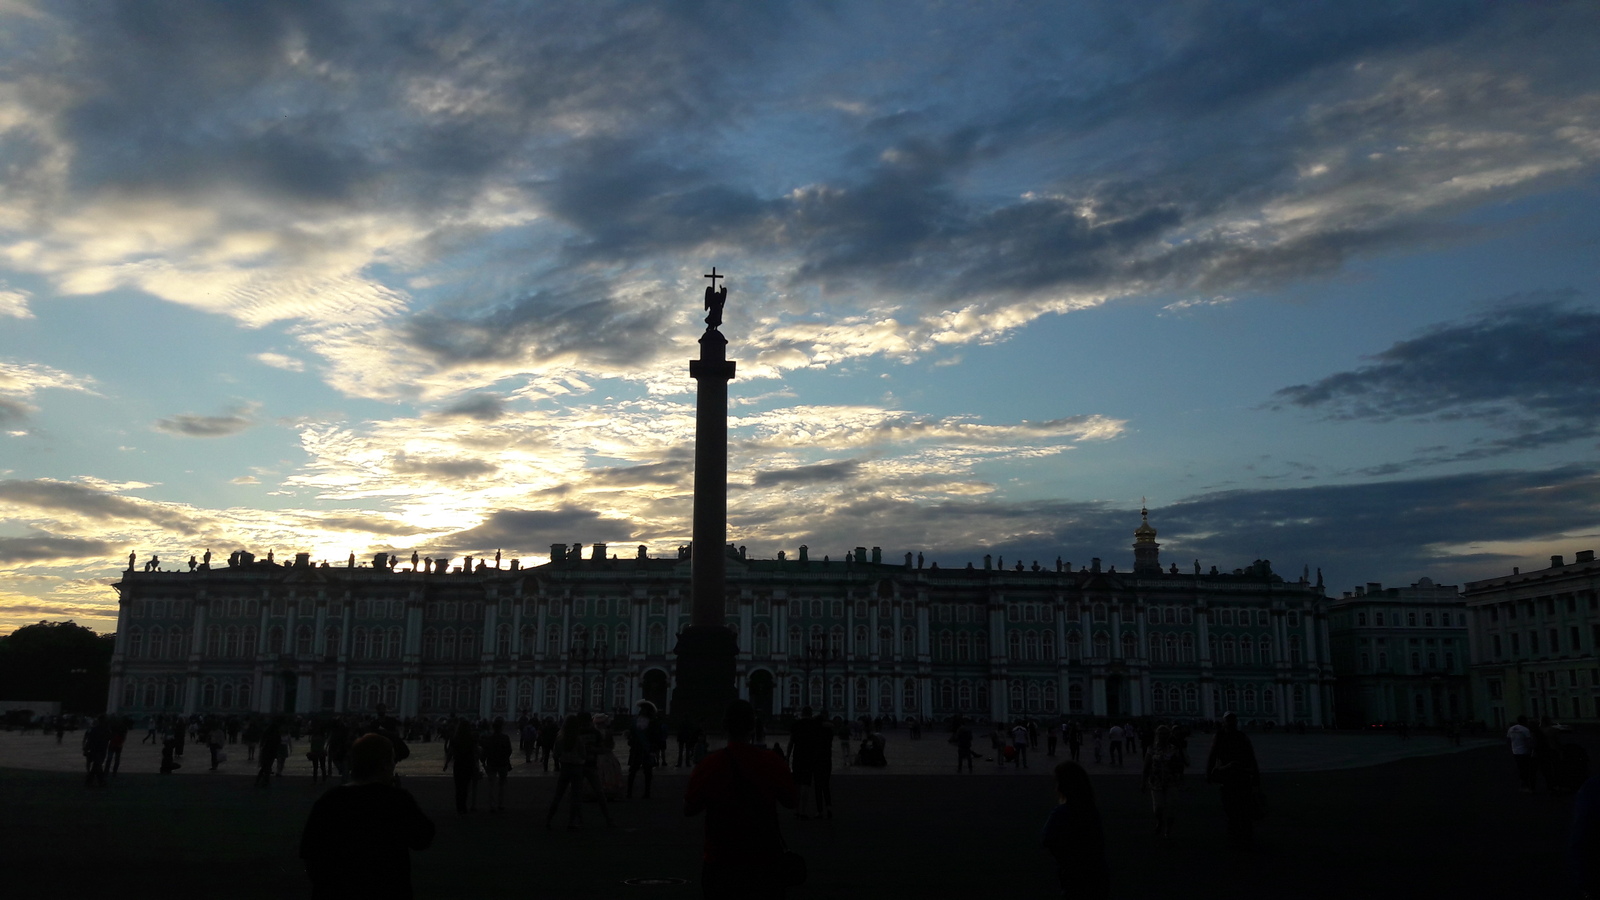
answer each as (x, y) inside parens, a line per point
(482, 407)
(445, 469)
(1527, 367)
(367, 525)
(529, 530)
(240, 418)
(94, 505)
(50, 548)
(14, 303)
(280, 361)
(245, 479)
(802, 475)
(19, 382)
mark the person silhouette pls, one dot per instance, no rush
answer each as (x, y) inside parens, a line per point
(358, 838)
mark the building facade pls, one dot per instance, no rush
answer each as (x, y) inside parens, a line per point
(1401, 654)
(1534, 638)
(857, 637)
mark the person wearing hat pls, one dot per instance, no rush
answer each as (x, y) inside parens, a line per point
(1232, 765)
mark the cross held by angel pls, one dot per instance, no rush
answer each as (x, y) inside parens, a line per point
(715, 298)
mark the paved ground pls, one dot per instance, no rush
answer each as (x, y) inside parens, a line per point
(1421, 827)
(929, 756)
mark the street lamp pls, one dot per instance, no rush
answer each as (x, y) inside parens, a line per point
(600, 657)
(818, 655)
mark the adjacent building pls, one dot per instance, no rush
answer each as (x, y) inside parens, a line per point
(857, 636)
(1534, 637)
(1401, 654)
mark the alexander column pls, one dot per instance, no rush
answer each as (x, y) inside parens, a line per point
(706, 648)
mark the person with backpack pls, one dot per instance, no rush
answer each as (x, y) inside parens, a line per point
(1163, 766)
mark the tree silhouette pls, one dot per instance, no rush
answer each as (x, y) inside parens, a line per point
(60, 661)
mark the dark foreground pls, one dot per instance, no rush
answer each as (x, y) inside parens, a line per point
(1448, 826)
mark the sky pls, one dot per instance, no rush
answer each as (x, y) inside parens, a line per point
(1316, 282)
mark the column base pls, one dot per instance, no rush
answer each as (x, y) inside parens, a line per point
(704, 676)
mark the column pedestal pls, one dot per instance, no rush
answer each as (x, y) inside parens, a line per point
(704, 681)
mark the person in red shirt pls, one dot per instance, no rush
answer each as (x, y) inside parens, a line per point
(739, 789)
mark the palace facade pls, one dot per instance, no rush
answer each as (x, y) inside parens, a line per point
(857, 637)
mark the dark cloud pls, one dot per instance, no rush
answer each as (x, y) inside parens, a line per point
(60, 496)
(482, 407)
(534, 530)
(14, 410)
(583, 321)
(668, 472)
(822, 473)
(442, 469)
(49, 548)
(1530, 367)
(191, 425)
(1392, 531)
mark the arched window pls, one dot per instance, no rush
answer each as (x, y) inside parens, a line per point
(1130, 645)
(552, 639)
(465, 694)
(447, 644)
(1249, 699)
(1158, 699)
(658, 639)
(1047, 641)
(355, 690)
(1155, 649)
(909, 702)
(1100, 612)
(502, 640)
(467, 646)
(392, 649)
(908, 641)
(501, 689)
(244, 694)
(208, 693)
(622, 645)
(761, 645)
(947, 694)
(374, 695)
(227, 695)
(1265, 649)
(358, 649)
(580, 638)
(1300, 708)
(1232, 696)
(963, 646)
(1074, 646)
(302, 640)
(530, 640)
(213, 641)
(1016, 697)
(619, 692)
(426, 699)
(1035, 697)
(551, 693)
(946, 645)
(150, 693)
(794, 694)
(330, 642)
(250, 644)
(836, 693)
(1169, 645)
(885, 696)
(1187, 644)
(135, 643)
(1294, 650)
(964, 694)
(861, 639)
(391, 692)
(1269, 702)
(525, 694)
(1230, 653)
(836, 643)
(1247, 650)
(1014, 645)
(602, 638)
(1102, 645)
(1031, 645)
(1174, 700)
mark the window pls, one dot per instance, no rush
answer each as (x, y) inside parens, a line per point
(502, 641)
(1187, 643)
(1555, 641)
(658, 639)
(1074, 646)
(1294, 650)
(1030, 643)
(1427, 619)
(1013, 613)
(1572, 639)
(761, 644)
(1102, 645)
(838, 613)
(1100, 612)
(302, 640)
(1497, 652)
(1186, 616)
(1516, 644)
(136, 642)
(1130, 645)
(946, 645)
(1365, 662)
(861, 639)
(1075, 698)
(1533, 643)
(908, 641)
(1225, 617)
(1361, 618)
(1411, 619)
(1247, 650)
(1014, 645)
(963, 646)
(1378, 618)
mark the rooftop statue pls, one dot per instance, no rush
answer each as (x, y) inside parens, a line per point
(715, 298)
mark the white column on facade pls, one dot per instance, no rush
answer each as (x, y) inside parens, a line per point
(346, 613)
(541, 640)
(1280, 640)
(923, 648)
(1202, 618)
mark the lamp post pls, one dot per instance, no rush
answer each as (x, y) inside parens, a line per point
(818, 655)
